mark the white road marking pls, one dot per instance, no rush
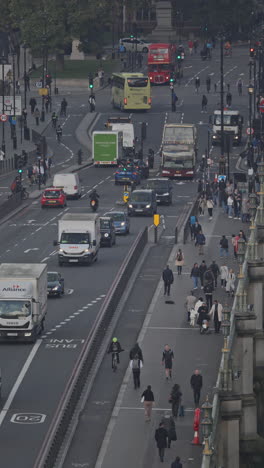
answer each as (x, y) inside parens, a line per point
(28, 250)
(19, 380)
(44, 259)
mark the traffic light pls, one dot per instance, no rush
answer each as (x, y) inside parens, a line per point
(20, 171)
(20, 165)
(91, 85)
(48, 80)
(252, 52)
(131, 36)
(172, 78)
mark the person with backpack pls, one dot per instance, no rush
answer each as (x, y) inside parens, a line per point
(179, 262)
(136, 350)
(136, 364)
(167, 358)
(223, 246)
(175, 399)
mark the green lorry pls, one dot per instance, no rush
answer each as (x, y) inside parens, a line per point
(107, 148)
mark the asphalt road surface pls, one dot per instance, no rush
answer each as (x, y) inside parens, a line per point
(34, 376)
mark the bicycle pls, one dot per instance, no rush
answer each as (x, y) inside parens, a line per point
(114, 361)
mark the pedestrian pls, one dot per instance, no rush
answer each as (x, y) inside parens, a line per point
(215, 192)
(195, 45)
(242, 235)
(190, 45)
(168, 279)
(195, 275)
(200, 187)
(174, 101)
(190, 304)
(193, 317)
(202, 270)
(17, 87)
(27, 82)
(204, 103)
(202, 205)
(37, 116)
(200, 241)
(208, 291)
(239, 86)
(169, 425)
(161, 439)
(208, 84)
(229, 99)
(167, 358)
(230, 205)
(215, 87)
(136, 350)
(223, 275)
(196, 229)
(192, 222)
(210, 205)
(91, 101)
(234, 241)
(215, 270)
(230, 283)
(179, 262)
(49, 165)
(223, 246)
(197, 84)
(175, 399)
(24, 114)
(46, 104)
(196, 384)
(63, 109)
(32, 104)
(54, 120)
(216, 313)
(147, 398)
(136, 365)
(177, 463)
(208, 277)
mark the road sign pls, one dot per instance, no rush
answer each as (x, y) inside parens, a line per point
(261, 105)
(3, 117)
(38, 84)
(171, 86)
(9, 105)
(43, 92)
(250, 131)
(156, 220)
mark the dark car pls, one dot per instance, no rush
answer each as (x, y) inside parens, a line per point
(55, 284)
(162, 188)
(142, 167)
(107, 230)
(142, 202)
(127, 174)
(120, 220)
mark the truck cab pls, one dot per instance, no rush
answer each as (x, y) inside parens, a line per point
(233, 125)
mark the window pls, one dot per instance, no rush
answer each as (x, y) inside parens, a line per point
(137, 82)
(140, 197)
(118, 82)
(75, 238)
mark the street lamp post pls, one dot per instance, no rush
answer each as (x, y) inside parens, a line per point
(250, 93)
(3, 62)
(14, 102)
(222, 92)
(25, 75)
(42, 118)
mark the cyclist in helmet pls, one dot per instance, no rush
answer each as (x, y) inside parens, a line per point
(115, 348)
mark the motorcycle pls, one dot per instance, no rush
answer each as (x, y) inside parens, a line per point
(94, 204)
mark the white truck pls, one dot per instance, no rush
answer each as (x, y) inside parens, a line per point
(78, 238)
(233, 124)
(23, 301)
(128, 136)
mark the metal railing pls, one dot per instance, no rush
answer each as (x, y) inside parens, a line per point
(70, 397)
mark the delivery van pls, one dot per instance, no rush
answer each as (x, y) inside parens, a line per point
(70, 183)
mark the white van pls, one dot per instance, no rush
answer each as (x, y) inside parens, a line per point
(70, 183)
(127, 130)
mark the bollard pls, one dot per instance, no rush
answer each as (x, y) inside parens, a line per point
(176, 236)
(196, 424)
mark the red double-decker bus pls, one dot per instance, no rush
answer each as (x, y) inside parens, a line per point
(161, 62)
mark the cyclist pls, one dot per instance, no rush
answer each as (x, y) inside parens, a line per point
(91, 101)
(59, 133)
(63, 108)
(115, 348)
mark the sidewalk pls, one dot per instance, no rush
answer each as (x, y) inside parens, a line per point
(128, 436)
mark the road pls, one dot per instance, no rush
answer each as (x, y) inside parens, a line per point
(34, 376)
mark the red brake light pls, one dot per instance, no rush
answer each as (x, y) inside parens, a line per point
(151, 78)
(149, 100)
(125, 101)
(75, 187)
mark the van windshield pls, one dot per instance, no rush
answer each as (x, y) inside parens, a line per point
(75, 238)
(140, 197)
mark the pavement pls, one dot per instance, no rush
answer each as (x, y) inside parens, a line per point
(127, 433)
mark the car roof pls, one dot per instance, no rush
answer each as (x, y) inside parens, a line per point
(142, 190)
(159, 179)
(53, 272)
(116, 212)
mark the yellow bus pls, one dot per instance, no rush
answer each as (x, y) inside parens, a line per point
(131, 91)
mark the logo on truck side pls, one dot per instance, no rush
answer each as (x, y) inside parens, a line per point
(14, 288)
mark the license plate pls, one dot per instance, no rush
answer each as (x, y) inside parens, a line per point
(158, 200)
(11, 334)
(139, 210)
(52, 201)
(73, 260)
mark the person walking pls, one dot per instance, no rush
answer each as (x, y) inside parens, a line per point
(168, 279)
(136, 350)
(37, 116)
(175, 399)
(216, 313)
(234, 241)
(169, 425)
(32, 104)
(196, 384)
(179, 262)
(196, 229)
(239, 86)
(148, 398)
(167, 358)
(210, 205)
(208, 84)
(223, 275)
(195, 275)
(177, 463)
(161, 436)
(54, 120)
(223, 246)
(197, 84)
(208, 291)
(192, 222)
(136, 365)
(208, 277)
(63, 109)
(27, 82)
(202, 270)
(204, 103)
(215, 270)
(229, 99)
(230, 205)
(200, 241)
(190, 305)
(230, 283)
(202, 205)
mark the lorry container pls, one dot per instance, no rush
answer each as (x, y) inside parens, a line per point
(107, 148)
(23, 300)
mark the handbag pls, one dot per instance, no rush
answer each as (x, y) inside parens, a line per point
(142, 399)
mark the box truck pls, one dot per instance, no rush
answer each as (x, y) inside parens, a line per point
(107, 148)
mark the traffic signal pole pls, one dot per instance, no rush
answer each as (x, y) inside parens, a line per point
(222, 93)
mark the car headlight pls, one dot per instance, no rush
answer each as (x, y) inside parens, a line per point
(236, 137)
(214, 136)
(61, 250)
(86, 250)
(55, 288)
(147, 206)
(123, 223)
(130, 206)
(165, 194)
(106, 234)
(27, 334)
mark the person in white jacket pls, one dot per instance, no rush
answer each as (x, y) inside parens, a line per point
(223, 275)
(230, 283)
(216, 314)
(198, 304)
